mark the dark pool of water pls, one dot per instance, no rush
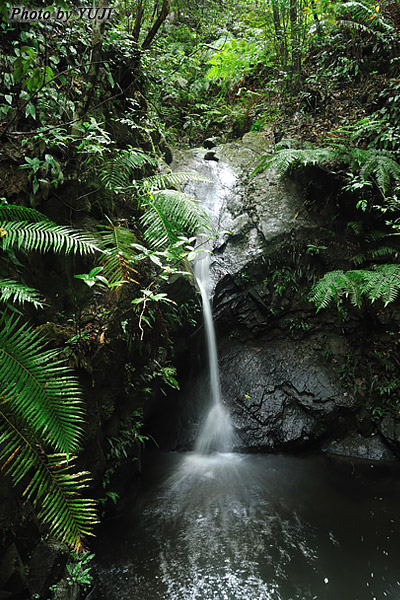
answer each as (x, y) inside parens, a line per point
(255, 527)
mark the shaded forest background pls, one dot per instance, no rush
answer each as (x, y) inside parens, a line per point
(93, 226)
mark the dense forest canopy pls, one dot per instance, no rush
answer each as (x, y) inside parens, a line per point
(92, 96)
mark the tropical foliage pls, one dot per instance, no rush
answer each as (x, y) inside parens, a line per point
(41, 410)
(166, 214)
(83, 125)
(361, 167)
(380, 283)
(35, 233)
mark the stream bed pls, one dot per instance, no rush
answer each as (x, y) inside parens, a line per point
(218, 525)
(230, 526)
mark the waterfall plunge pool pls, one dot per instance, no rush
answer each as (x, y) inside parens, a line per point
(230, 526)
(226, 526)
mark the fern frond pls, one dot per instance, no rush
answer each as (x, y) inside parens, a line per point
(375, 253)
(168, 214)
(334, 285)
(357, 13)
(117, 173)
(161, 182)
(286, 158)
(382, 283)
(19, 292)
(116, 242)
(45, 236)
(373, 164)
(40, 390)
(357, 27)
(12, 212)
(380, 165)
(361, 130)
(52, 488)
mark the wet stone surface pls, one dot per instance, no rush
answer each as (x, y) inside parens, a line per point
(282, 389)
(280, 394)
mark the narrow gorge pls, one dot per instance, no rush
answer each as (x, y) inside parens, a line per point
(247, 496)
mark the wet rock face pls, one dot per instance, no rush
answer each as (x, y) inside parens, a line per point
(280, 394)
(253, 211)
(390, 430)
(272, 243)
(357, 446)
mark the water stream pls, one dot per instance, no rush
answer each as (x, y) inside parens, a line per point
(216, 433)
(217, 525)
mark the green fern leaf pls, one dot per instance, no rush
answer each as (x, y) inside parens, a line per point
(118, 173)
(45, 236)
(12, 212)
(161, 182)
(357, 14)
(380, 165)
(118, 264)
(285, 158)
(382, 283)
(373, 254)
(52, 488)
(168, 214)
(19, 292)
(28, 371)
(334, 285)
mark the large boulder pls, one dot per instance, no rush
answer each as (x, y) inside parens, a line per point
(283, 395)
(292, 378)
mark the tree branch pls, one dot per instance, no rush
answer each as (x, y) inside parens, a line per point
(157, 24)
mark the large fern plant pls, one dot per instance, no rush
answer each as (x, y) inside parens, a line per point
(366, 20)
(27, 230)
(117, 242)
(371, 166)
(41, 418)
(41, 410)
(169, 213)
(166, 213)
(382, 282)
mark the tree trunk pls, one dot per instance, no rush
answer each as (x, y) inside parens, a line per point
(166, 5)
(295, 42)
(90, 84)
(138, 21)
(280, 38)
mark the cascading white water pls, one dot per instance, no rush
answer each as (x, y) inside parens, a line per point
(219, 525)
(216, 433)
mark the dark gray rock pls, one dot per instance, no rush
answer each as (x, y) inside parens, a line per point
(390, 430)
(211, 156)
(46, 566)
(357, 446)
(13, 581)
(281, 395)
(211, 142)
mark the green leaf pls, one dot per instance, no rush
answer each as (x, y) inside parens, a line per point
(168, 214)
(19, 292)
(117, 243)
(46, 236)
(29, 371)
(118, 173)
(30, 110)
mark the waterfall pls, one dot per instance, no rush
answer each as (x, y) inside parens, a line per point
(224, 525)
(216, 432)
